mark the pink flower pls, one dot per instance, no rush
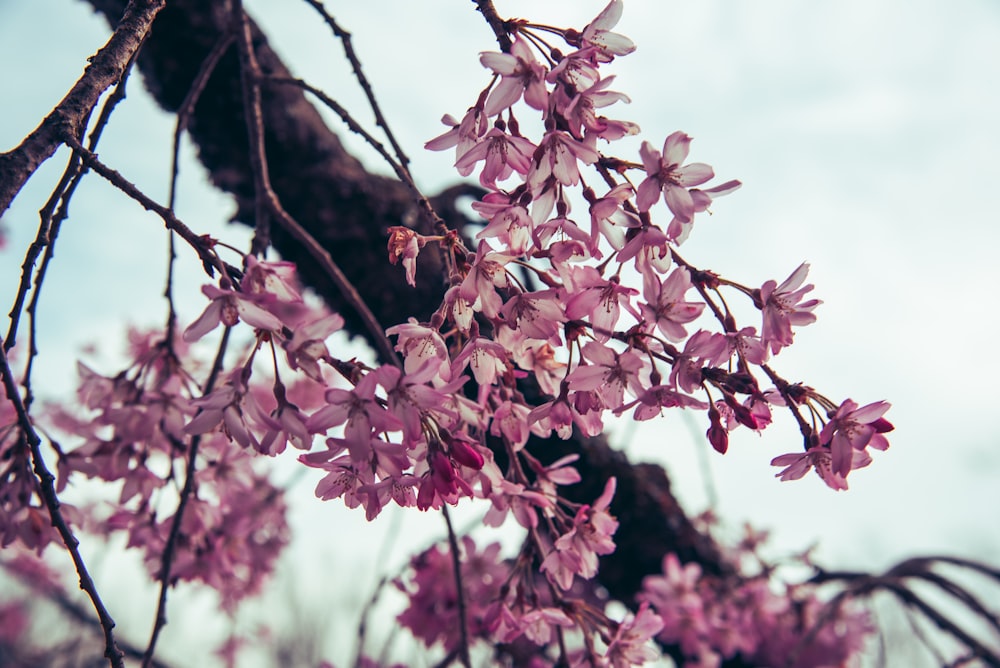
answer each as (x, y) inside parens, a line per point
(609, 373)
(557, 156)
(598, 34)
(510, 223)
(343, 477)
(229, 307)
(536, 314)
(538, 625)
(579, 110)
(630, 646)
(703, 347)
(666, 306)
(225, 406)
(798, 464)
(665, 173)
(511, 421)
(419, 344)
(504, 154)
(577, 550)
(783, 307)
(651, 402)
(851, 428)
(607, 218)
(650, 248)
(270, 279)
(405, 245)
(599, 299)
(409, 398)
(488, 360)
(463, 135)
(487, 274)
(307, 346)
(748, 345)
(519, 73)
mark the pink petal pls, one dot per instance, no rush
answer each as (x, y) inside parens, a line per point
(675, 148)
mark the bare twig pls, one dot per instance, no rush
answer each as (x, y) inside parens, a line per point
(106, 67)
(345, 38)
(170, 549)
(266, 199)
(498, 25)
(250, 72)
(209, 260)
(48, 491)
(73, 610)
(910, 598)
(183, 118)
(400, 169)
(456, 566)
(52, 223)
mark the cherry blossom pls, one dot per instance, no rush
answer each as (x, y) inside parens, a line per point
(519, 74)
(598, 34)
(784, 307)
(852, 428)
(665, 305)
(502, 153)
(229, 307)
(463, 135)
(631, 645)
(665, 173)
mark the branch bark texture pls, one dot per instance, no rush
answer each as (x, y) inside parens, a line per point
(69, 118)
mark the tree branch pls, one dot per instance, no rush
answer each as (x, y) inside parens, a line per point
(69, 116)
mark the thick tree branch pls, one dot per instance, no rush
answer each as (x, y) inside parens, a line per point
(348, 210)
(69, 116)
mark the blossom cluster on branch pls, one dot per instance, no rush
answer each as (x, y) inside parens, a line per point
(575, 292)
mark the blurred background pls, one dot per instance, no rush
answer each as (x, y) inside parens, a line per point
(866, 136)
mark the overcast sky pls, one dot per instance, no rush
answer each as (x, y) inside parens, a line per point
(865, 133)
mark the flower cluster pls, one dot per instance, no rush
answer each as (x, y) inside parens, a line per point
(507, 606)
(713, 619)
(23, 516)
(134, 431)
(575, 293)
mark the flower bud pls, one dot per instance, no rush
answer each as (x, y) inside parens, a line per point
(463, 453)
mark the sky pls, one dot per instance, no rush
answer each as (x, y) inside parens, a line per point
(866, 138)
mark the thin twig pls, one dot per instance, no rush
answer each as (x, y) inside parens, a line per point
(424, 205)
(249, 75)
(170, 549)
(198, 243)
(498, 25)
(267, 198)
(910, 598)
(73, 610)
(456, 565)
(48, 491)
(55, 221)
(184, 113)
(105, 68)
(345, 38)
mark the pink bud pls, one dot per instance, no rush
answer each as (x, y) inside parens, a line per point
(463, 453)
(717, 434)
(442, 472)
(425, 495)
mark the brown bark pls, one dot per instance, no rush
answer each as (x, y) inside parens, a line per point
(71, 114)
(349, 210)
